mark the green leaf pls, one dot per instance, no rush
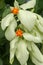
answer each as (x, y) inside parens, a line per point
(2, 4)
(1, 33)
(37, 6)
(41, 4)
(1, 62)
(6, 11)
(1, 14)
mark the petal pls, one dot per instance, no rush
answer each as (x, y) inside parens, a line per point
(40, 27)
(10, 32)
(16, 4)
(36, 53)
(40, 23)
(29, 45)
(24, 64)
(22, 54)
(13, 45)
(27, 18)
(35, 61)
(37, 33)
(6, 21)
(31, 37)
(29, 4)
(40, 18)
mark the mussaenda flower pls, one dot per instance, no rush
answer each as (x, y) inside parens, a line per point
(6, 21)
(22, 42)
(19, 46)
(22, 48)
(29, 19)
(16, 10)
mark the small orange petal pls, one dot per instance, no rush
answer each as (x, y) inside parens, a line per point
(19, 33)
(15, 11)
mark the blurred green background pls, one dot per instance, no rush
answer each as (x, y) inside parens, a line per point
(4, 44)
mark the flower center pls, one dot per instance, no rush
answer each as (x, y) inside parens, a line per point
(19, 32)
(15, 10)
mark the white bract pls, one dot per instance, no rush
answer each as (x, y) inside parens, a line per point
(36, 56)
(27, 18)
(32, 25)
(31, 38)
(6, 21)
(10, 33)
(29, 4)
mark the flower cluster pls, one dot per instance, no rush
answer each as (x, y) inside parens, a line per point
(24, 35)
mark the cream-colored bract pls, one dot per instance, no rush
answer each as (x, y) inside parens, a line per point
(13, 46)
(22, 53)
(6, 21)
(27, 18)
(35, 61)
(29, 4)
(40, 23)
(16, 4)
(10, 32)
(37, 55)
(32, 38)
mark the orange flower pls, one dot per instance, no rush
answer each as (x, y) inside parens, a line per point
(15, 11)
(19, 33)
